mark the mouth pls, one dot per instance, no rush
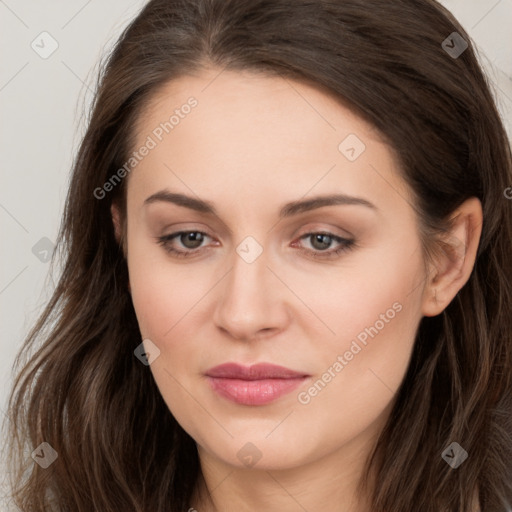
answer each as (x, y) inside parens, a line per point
(258, 384)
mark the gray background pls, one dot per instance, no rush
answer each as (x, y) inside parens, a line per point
(41, 104)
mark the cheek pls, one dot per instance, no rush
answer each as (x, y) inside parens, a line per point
(358, 380)
(369, 322)
(167, 303)
(371, 293)
(163, 293)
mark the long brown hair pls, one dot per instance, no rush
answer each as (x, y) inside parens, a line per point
(81, 389)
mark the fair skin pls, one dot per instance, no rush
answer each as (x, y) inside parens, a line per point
(252, 144)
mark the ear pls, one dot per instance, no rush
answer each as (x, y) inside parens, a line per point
(119, 228)
(455, 262)
(119, 232)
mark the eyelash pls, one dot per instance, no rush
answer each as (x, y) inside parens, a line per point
(346, 245)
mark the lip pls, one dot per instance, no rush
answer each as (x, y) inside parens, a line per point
(258, 384)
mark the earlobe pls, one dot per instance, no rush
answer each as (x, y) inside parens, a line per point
(456, 258)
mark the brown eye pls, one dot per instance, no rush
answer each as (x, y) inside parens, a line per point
(189, 242)
(191, 239)
(322, 241)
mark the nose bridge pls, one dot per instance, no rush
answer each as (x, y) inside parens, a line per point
(249, 301)
(248, 279)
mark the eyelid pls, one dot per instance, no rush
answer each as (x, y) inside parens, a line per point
(314, 229)
(325, 228)
(345, 244)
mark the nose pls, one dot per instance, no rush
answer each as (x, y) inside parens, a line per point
(252, 302)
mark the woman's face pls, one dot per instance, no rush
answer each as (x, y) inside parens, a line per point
(332, 290)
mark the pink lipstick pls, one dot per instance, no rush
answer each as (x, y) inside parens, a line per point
(258, 384)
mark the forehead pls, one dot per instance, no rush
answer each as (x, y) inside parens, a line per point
(257, 101)
(252, 132)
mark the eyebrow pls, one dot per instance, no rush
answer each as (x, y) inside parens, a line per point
(287, 210)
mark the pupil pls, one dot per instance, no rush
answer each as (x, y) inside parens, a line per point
(323, 239)
(192, 237)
